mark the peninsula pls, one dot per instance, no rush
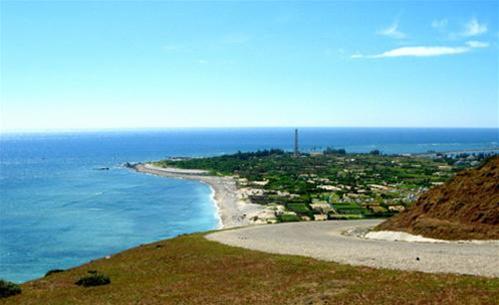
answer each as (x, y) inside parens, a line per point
(272, 186)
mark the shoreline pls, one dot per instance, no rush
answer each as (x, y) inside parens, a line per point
(231, 209)
(217, 208)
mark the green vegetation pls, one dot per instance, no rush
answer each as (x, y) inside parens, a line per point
(53, 271)
(288, 218)
(349, 208)
(345, 216)
(8, 289)
(300, 208)
(369, 185)
(93, 279)
(192, 270)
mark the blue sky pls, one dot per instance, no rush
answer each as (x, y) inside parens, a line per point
(109, 64)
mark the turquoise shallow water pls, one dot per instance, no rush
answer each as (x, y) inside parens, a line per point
(57, 210)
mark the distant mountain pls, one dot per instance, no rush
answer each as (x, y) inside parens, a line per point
(466, 207)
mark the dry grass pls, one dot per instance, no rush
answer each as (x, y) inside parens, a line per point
(192, 270)
(466, 207)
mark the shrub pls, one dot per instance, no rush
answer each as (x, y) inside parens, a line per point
(350, 208)
(344, 216)
(53, 271)
(332, 151)
(8, 289)
(93, 279)
(300, 208)
(288, 218)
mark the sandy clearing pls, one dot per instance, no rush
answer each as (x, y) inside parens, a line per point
(326, 241)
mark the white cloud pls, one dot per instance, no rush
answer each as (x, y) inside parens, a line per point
(422, 51)
(426, 51)
(439, 23)
(477, 44)
(474, 28)
(392, 31)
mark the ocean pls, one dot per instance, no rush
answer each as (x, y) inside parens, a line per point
(58, 209)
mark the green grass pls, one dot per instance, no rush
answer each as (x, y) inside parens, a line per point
(192, 270)
(300, 208)
(346, 216)
(288, 218)
(8, 289)
(349, 208)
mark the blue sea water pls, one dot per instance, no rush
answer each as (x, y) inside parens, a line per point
(58, 211)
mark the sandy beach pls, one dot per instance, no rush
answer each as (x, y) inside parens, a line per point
(233, 211)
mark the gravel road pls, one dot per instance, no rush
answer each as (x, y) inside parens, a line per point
(325, 241)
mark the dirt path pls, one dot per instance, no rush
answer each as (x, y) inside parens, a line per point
(325, 241)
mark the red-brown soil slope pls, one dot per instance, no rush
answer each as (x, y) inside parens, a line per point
(466, 207)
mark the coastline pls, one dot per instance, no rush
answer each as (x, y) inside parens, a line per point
(217, 208)
(232, 210)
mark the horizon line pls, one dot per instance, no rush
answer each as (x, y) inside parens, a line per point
(117, 129)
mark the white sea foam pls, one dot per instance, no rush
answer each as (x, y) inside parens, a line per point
(217, 208)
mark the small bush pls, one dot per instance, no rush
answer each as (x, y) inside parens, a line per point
(300, 208)
(288, 218)
(53, 271)
(345, 216)
(93, 279)
(8, 289)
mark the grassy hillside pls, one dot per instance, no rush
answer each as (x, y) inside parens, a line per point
(466, 207)
(192, 270)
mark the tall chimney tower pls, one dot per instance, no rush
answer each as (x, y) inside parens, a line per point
(297, 152)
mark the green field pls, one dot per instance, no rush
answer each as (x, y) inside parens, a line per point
(370, 184)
